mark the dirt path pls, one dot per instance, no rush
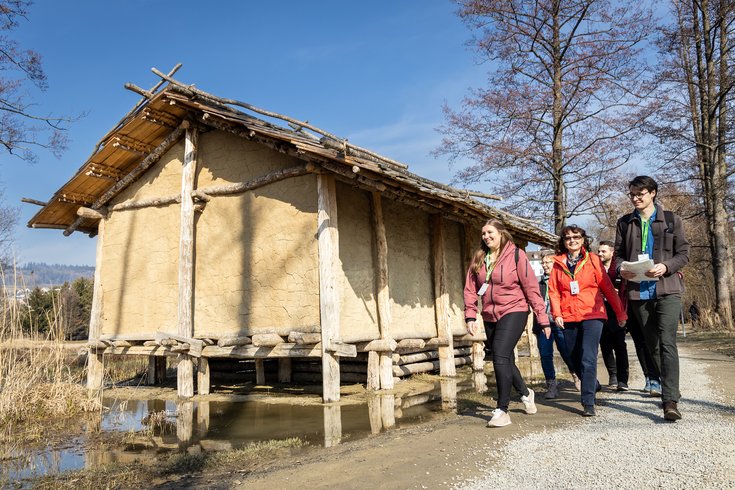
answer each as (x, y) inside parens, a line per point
(442, 453)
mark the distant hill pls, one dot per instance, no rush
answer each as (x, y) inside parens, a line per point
(41, 274)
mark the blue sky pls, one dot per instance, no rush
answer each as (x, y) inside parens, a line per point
(375, 72)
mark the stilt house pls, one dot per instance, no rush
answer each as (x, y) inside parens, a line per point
(223, 235)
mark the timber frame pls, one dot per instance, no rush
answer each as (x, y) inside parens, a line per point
(172, 111)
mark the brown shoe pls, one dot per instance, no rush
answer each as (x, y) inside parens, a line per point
(671, 412)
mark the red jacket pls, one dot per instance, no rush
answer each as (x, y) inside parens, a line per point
(593, 282)
(511, 288)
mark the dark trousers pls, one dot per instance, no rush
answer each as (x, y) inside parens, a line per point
(502, 337)
(659, 319)
(613, 348)
(583, 340)
(648, 367)
(546, 351)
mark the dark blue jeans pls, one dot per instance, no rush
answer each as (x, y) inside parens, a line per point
(502, 337)
(583, 342)
(546, 351)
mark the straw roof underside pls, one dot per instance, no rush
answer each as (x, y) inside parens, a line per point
(146, 129)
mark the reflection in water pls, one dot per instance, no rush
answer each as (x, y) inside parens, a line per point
(153, 425)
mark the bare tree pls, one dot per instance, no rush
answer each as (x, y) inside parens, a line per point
(562, 102)
(23, 130)
(694, 122)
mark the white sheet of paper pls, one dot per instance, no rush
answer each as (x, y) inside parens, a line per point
(640, 268)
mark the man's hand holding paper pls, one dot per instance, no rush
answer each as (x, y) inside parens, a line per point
(641, 270)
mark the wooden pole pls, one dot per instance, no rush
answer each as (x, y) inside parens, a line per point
(373, 371)
(385, 318)
(284, 370)
(260, 371)
(185, 371)
(478, 356)
(203, 376)
(441, 298)
(95, 364)
(329, 299)
(332, 425)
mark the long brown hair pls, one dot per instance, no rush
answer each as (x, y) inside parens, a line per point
(505, 237)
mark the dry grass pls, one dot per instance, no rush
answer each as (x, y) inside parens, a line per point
(40, 379)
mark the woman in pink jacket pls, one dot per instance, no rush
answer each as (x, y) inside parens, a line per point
(502, 278)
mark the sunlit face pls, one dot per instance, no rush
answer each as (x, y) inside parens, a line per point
(574, 241)
(641, 198)
(605, 252)
(547, 263)
(491, 237)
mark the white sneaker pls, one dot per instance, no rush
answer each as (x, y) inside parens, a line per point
(528, 403)
(499, 419)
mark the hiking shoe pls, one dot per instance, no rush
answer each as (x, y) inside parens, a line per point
(528, 402)
(671, 412)
(655, 388)
(622, 386)
(613, 381)
(588, 411)
(500, 418)
(647, 388)
(577, 382)
(598, 387)
(552, 389)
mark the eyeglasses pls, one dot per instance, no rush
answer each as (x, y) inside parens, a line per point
(573, 237)
(637, 195)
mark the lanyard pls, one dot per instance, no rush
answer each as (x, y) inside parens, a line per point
(489, 267)
(578, 266)
(645, 229)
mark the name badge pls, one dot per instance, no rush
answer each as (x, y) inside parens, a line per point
(482, 289)
(643, 257)
(574, 286)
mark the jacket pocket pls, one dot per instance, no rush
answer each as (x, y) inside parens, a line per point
(668, 242)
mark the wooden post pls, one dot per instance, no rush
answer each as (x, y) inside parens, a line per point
(260, 371)
(185, 371)
(380, 368)
(386, 371)
(374, 414)
(449, 394)
(203, 378)
(373, 371)
(332, 425)
(329, 299)
(388, 410)
(441, 298)
(532, 339)
(478, 356)
(95, 360)
(284, 370)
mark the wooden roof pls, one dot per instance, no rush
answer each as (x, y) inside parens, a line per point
(155, 125)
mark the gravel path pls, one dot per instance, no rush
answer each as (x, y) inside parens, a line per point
(628, 444)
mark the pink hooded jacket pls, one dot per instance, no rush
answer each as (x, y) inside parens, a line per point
(512, 287)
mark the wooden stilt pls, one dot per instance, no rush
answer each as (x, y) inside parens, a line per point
(532, 339)
(259, 371)
(95, 361)
(185, 369)
(373, 371)
(329, 300)
(374, 413)
(441, 298)
(386, 371)
(449, 394)
(332, 425)
(203, 378)
(387, 410)
(284, 370)
(478, 356)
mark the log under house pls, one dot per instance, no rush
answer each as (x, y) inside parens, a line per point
(223, 235)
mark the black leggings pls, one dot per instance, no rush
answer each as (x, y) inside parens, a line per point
(502, 337)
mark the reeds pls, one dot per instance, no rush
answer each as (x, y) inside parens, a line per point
(40, 376)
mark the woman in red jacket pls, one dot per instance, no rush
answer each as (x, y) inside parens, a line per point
(501, 276)
(577, 284)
